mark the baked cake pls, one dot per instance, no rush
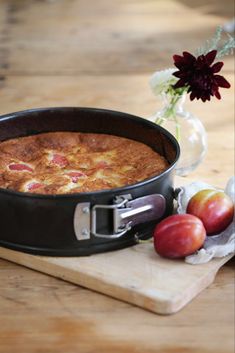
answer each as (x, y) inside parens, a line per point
(73, 162)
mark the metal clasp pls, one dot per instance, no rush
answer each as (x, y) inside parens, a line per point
(125, 213)
(118, 229)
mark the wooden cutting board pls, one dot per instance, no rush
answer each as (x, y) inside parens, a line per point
(136, 275)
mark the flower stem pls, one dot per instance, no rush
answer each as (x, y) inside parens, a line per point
(170, 111)
(177, 129)
(159, 121)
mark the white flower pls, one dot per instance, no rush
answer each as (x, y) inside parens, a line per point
(161, 81)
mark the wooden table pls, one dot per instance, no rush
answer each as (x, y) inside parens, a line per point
(101, 54)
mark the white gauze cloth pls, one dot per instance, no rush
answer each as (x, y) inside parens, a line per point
(218, 245)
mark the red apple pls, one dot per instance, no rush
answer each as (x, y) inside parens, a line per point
(214, 208)
(179, 235)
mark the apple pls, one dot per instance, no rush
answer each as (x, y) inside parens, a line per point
(214, 208)
(179, 235)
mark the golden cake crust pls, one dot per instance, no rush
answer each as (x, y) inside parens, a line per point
(71, 162)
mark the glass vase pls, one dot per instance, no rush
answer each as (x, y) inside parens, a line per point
(187, 129)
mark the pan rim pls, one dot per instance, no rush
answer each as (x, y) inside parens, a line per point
(22, 113)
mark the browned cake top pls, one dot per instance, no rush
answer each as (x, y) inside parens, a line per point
(71, 162)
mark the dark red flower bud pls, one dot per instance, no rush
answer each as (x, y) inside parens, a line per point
(199, 76)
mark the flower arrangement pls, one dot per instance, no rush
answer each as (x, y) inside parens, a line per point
(197, 75)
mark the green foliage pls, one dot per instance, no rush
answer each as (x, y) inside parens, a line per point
(224, 48)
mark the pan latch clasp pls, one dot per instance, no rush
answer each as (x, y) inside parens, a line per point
(125, 214)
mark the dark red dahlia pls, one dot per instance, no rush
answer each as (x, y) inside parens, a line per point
(199, 76)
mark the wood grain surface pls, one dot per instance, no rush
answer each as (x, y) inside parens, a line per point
(136, 275)
(101, 54)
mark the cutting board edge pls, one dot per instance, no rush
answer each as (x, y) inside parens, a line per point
(58, 271)
(161, 306)
(178, 303)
